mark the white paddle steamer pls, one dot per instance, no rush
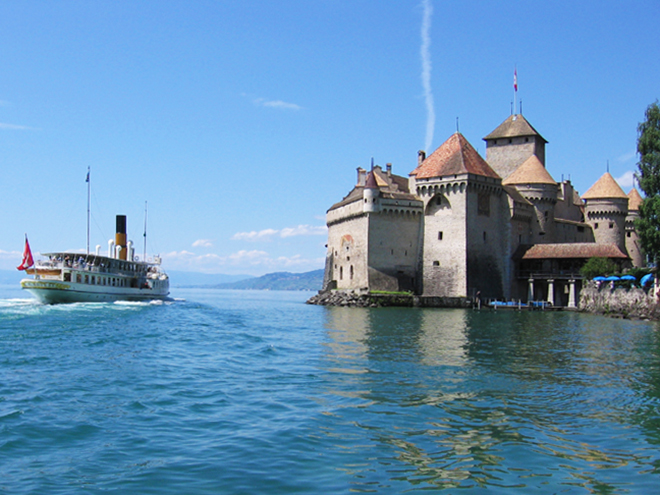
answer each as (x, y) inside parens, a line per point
(67, 277)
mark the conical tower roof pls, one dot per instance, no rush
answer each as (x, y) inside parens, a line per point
(515, 126)
(634, 200)
(454, 157)
(371, 182)
(605, 188)
(531, 171)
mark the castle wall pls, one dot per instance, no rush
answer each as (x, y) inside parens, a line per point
(348, 246)
(393, 250)
(444, 258)
(489, 269)
(632, 241)
(567, 231)
(566, 208)
(505, 155)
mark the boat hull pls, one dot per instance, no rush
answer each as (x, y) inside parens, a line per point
(58, 292)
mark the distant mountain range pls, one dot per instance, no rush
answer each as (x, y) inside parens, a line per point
(272, 281)
(278, 281)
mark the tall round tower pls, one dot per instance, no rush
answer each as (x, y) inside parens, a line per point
(632, 239)
(537, 186)
(371, 194)
(606, 209)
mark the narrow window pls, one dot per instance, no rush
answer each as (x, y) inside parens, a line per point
(439, 236)
(595, 225)
(611, 225)
(351, 272)
(485, 236)
(341, 273)
(436, 263)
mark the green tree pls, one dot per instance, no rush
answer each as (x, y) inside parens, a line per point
(648, 147)
(595, 267)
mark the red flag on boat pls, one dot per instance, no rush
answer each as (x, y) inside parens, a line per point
(28, 261)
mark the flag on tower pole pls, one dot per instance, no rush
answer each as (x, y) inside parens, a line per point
(515, 79)
(28, 261)
(515, 90)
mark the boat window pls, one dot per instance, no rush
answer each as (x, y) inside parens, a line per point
(93, 280)
(79, 278)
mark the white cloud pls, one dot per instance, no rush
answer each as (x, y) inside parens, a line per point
(14, 127)
(627, 180)
(283, 105)
(202, 243)
(627, 157)
(244, 261)
(267, 234)
(426, 72)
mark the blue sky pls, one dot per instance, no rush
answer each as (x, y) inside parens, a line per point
(241, 123)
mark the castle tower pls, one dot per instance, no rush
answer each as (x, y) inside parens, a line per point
(371, 194)
(537, 186)
(466, 227)
(511, 144)
(632, 239)
(606, 209)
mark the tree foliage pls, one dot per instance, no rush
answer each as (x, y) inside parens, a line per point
(595, 267)
(648, 147)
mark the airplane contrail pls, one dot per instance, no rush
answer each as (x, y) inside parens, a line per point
(426, 72)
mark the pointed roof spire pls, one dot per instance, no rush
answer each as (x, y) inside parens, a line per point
(371, 181)
(634, 200)
(455, 156)
(531, 171)
(605, 188)
(514, 126)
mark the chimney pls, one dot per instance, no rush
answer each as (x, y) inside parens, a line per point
(421, 156)
(120, 235)
(388, 167)
(361, 176)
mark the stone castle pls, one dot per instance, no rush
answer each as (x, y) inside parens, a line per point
(461, 226)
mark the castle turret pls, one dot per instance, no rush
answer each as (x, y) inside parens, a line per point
(511, 144)
(606, 209)
(632, 239)
(538, 187)
(371, 194)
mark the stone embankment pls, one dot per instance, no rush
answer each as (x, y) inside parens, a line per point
(364, 299)
(621, 303)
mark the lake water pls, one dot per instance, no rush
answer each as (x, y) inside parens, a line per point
(255, 392)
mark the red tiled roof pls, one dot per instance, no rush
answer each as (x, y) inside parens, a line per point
(577, 250)
(454, 157)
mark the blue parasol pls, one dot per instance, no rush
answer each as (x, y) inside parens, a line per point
(628, 277)
(646, 278)
(612, 278)
(599, 279)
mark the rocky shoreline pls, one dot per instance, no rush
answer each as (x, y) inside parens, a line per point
(364, 299)
(619, 303)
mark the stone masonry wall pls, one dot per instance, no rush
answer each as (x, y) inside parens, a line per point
(625, 303)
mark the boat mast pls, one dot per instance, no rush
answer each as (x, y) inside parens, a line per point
(88, 209)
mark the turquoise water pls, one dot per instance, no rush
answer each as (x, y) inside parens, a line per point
(256, 392)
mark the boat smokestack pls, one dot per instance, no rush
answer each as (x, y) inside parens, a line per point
(120, 236)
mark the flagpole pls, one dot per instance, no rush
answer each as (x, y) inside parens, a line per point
(515, 90)
(89, 185)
